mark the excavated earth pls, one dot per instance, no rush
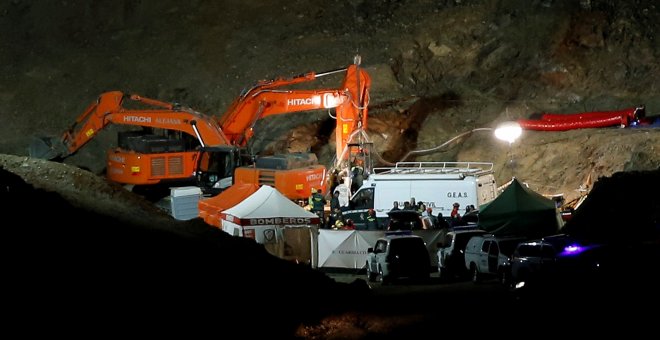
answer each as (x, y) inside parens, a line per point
(439, 69)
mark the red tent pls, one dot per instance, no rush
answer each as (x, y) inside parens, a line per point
(210, 208)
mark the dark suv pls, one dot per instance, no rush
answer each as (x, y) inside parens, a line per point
(398, 254)
(555, 260)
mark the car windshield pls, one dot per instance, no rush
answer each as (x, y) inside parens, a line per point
(412, 246)
(559, 242)
(547, 247)
(536, 250)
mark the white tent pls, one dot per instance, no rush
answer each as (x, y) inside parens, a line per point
(348, 248)
(264, 216)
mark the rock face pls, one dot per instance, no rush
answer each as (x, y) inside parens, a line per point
(439, 69)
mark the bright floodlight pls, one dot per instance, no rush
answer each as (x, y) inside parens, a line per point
(508, 131)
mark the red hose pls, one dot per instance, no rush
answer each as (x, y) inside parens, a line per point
(566, 124)
(596, 119)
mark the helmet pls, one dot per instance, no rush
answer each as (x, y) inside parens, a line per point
(456, 204)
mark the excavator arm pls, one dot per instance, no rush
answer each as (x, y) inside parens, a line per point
(108, 109)
(267, 98)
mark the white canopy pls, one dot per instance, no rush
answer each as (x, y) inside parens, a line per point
(267, 206)
(283, 227)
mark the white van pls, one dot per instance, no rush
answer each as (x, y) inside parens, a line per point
(437, 184)
(490, 255)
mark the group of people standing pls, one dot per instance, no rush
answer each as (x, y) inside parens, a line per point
(335, 220)
(429, 221)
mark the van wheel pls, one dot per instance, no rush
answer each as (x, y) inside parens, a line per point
(371, 276)
(476, 276)
(383, 280)
(503, 276)
(443, 274)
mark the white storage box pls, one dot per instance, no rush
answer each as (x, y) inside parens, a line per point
(184, 202)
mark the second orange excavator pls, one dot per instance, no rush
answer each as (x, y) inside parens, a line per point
(176, 143)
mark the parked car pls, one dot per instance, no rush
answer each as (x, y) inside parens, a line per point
(557, 259)
(451, 248)
(581, 273)
(490, 255)
(398, 255)
(536, 259)
(404, 220)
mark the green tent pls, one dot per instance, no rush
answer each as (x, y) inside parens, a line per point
(519, 211)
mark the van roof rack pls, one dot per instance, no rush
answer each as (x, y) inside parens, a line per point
(465, 168)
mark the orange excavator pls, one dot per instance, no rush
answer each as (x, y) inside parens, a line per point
(164, 149)
(177, 143)
(268, 98)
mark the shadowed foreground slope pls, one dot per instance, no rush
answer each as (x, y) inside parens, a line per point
(71, 270)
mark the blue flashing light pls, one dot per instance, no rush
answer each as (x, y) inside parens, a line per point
(572, 249)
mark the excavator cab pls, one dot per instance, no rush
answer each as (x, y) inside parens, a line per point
(215, 168)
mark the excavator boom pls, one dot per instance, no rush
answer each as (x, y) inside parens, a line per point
(109, 110)
(268, 98)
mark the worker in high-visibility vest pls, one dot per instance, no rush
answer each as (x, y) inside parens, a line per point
(317, 204)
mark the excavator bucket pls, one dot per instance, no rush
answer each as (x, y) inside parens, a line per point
(46, 148)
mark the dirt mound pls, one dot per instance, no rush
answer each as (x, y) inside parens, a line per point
(130, 261)
(85, 190)
(624, 208)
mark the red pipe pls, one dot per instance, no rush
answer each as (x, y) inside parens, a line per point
(596, 119)
(630, 112)
(566, 124)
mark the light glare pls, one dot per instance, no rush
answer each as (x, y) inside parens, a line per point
(509, 132)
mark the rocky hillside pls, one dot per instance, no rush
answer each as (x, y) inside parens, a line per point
(439, 69)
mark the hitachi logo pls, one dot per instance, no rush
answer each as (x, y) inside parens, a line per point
(314, 177)
(137, 119)
(316, 100)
